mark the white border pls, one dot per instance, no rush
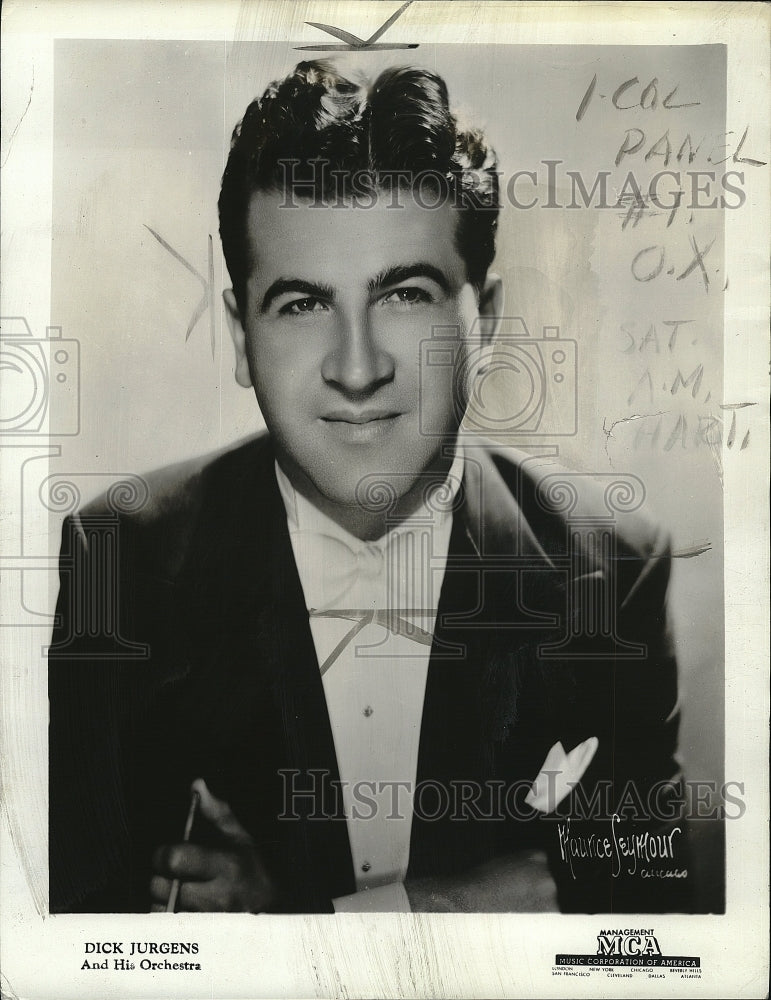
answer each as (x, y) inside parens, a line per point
(382, 956)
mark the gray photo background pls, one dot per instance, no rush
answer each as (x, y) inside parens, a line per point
(141, 131)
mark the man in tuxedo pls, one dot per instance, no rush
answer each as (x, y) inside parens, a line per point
(365, 642)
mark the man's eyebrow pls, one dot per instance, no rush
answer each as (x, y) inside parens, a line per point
(282, 286)
(403, 272)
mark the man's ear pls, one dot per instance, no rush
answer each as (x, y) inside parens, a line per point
(243, 375)
(491, 301)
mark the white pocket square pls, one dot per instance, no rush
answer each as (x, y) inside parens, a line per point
(560, 773)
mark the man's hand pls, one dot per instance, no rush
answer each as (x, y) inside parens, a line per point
(230, 878)
(517, 883)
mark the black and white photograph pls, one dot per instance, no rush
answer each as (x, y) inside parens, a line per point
(384, 450)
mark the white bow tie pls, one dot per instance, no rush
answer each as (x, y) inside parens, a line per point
(393, 574)
(337, 574)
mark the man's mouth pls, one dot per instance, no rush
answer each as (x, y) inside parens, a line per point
(360, 427)
(359, 416)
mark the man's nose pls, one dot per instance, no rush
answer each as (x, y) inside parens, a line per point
(357, 361)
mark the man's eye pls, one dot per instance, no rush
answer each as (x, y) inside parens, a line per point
(300, 307)
(409, 296)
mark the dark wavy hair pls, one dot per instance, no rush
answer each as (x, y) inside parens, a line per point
(315, 129)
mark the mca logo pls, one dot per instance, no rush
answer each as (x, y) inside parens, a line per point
(628, 942)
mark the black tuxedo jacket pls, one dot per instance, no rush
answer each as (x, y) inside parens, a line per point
(182, 649)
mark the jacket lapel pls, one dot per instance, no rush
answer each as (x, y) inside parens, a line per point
(485, 715)
(256, 685)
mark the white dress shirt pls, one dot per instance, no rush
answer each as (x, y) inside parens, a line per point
(372, 610)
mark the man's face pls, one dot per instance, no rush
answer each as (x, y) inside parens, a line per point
(337, 305)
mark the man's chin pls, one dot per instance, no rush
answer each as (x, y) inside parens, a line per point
(374, 493)
(382, 494)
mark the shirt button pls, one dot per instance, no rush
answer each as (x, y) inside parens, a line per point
(366, 866)
(368, 711)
